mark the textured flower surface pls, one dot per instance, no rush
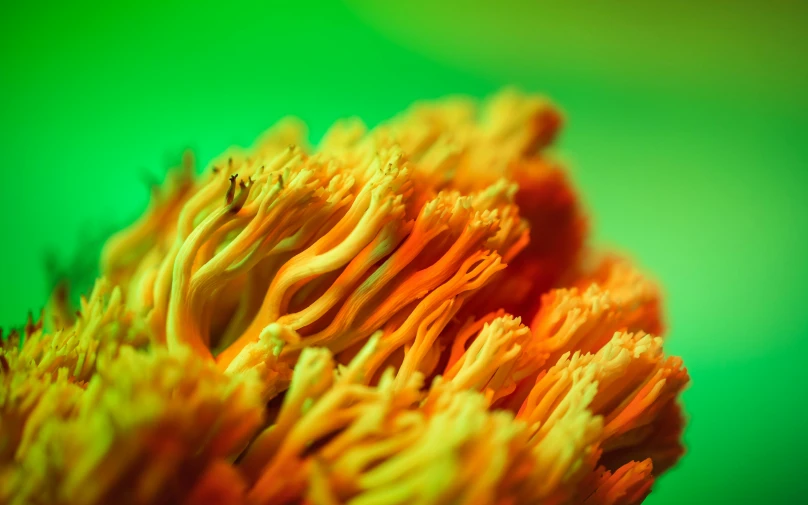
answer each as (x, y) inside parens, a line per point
(402, 315)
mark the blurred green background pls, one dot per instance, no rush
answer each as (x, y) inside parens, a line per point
(686, 136)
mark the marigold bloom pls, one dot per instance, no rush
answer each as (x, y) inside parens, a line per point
(400, 315)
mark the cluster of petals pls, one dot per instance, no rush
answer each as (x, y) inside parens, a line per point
(404, 315)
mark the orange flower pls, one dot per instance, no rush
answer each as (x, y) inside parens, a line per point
(401, 315)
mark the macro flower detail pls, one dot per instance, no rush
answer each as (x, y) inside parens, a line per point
(406, 314)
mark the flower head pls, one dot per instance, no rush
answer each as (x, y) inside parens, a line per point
(405, 314)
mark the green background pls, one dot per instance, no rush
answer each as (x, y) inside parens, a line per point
(686, 136)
